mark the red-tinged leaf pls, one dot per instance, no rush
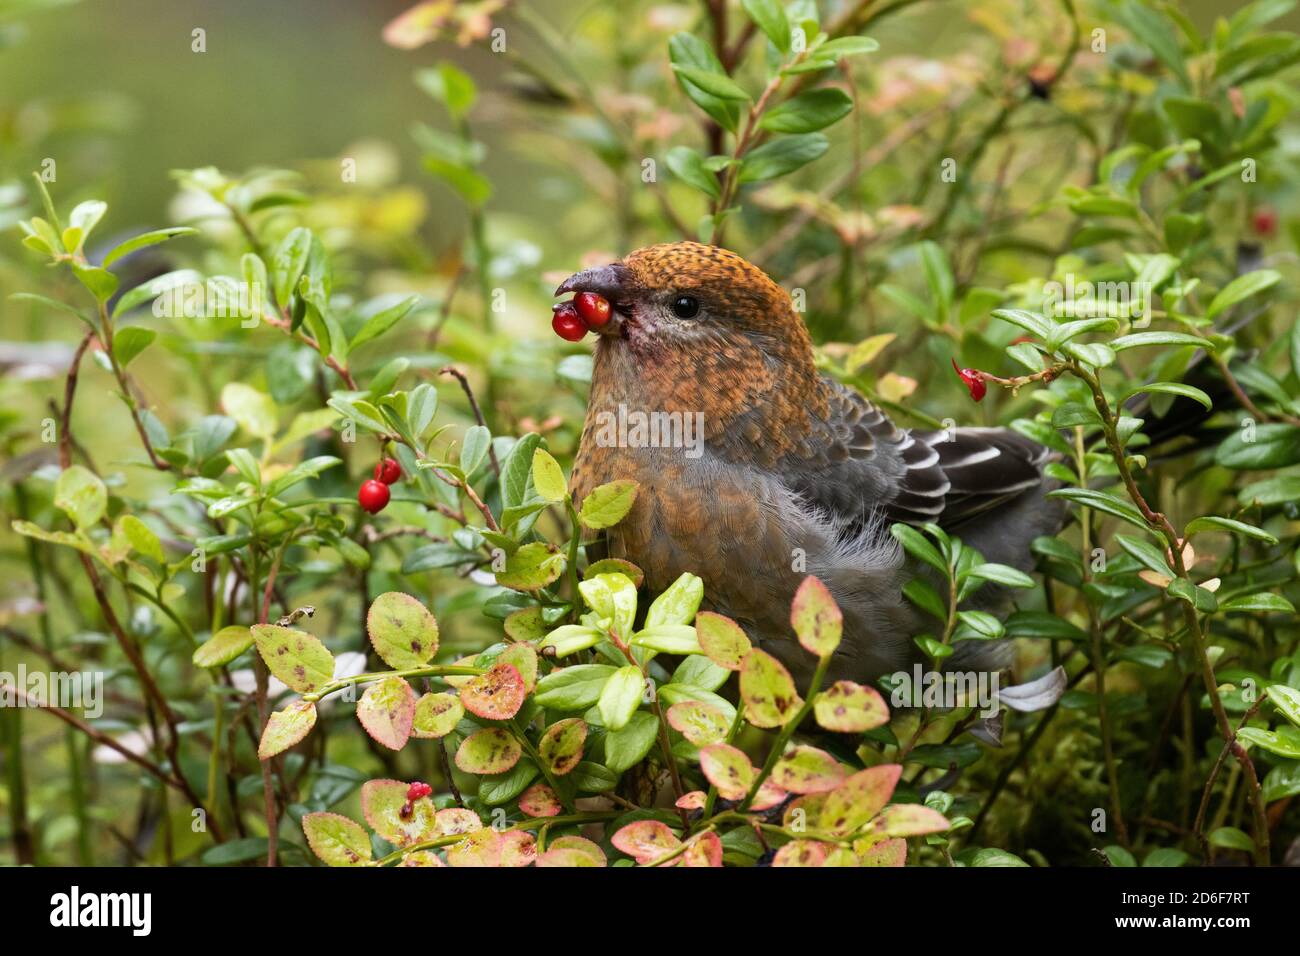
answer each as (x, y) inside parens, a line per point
(524, 658)
(769, 795)
(337, 840)
(561, 745)
(421, 858)
(892, 852)
(571, 851)
(518, 848)
(723, 640)
(808, 770)
(491, 750)
(402, 630)
(480, 848)
(387, 711)
(456, 820)
(801, 853)
(858, 799)
(382, 802)
(691, 801)
(495, 695)
(436, 715)
(540, 800)
(909, 820)
(841, 856)
(646, 840)
(767, 690)
(849, 708)
(802, 812)
(728, 769)
(704, 850)
(816, 618)
(698, 722)
(284, 728)
(297, 658)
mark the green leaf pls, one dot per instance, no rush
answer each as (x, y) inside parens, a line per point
(285, 728)
(1193, 594)
(302, 472)
(628, 746)
(1103, 502)
(101, 283)
(607, 504)
(297, 658)
(620, 697)
(847, 46)
(143, 240)
(382, 321)
(1258, 602)
(1286, 700)
(1147, 553)
(571, 638)
(403, 632)
(1213, 523)
(921, 593)
(80, 495)
(1285, 741)
(685, 49)
(668, 639)
(1232, 838)
(288, 262)
(715, 84)
(1171, 388)
(253, 410)
(337, 840)
(677, 604)
(1271, 491)
(1242, 288)
(769, 16)
(782, 156)
(1030, 322)
(1151, 29)
(808, 112)
(1138, 339)
(1272, 445)
(728, 769)
(223, 647)
(688, 166)
(533, 566)
(516, 469)
(572, 688)
(548, 476)
(916, 544)
(1001, 574)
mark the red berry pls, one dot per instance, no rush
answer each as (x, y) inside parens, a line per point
(567, 324)
(973, 379)
(373, 496)
(1265, 222)
(417, 790)
(388, 471)
(593, 308)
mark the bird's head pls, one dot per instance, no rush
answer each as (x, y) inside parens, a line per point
(684, 296)
(697, 328)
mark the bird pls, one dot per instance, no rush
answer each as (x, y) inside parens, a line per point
(795, 474)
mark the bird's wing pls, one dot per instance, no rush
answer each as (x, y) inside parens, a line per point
(856, 462)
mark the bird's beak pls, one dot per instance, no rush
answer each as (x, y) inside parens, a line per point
(614, 281)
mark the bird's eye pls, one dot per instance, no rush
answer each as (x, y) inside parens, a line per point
(686, 307)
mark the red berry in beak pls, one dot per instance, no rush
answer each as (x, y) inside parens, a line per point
(973, 380)
(567, 324)
(373, 496)
(593, 308)
(388, 471)
(417, 790)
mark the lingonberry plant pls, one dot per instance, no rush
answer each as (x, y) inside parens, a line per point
(296, 487)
